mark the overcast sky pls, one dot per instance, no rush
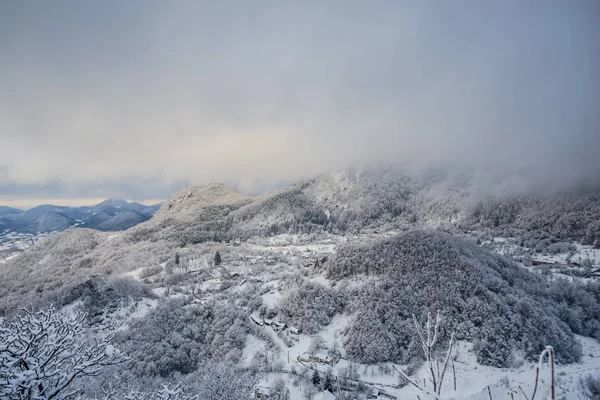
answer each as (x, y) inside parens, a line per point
(138, 99)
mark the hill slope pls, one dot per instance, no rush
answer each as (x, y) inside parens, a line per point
(122, 221)
(485, 298)
(355, 201)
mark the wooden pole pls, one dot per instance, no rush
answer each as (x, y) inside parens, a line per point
(552, 372)
(454, 373)
(338, 387)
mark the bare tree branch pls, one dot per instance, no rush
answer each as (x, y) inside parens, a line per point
(42, 352)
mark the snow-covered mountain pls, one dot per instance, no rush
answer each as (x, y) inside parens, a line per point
(321, 279)
(354, 201)
(50, 218)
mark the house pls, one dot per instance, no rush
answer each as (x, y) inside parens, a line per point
(325, 395)
(280, 325)
(294, 330)
(320, 357)
(268, 322)
(303, 358)
(257, 320)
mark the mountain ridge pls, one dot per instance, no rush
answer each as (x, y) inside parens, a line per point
(46, 218)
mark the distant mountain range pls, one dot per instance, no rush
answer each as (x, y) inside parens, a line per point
(110, 215)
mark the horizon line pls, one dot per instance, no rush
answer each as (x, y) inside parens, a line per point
(27, 204)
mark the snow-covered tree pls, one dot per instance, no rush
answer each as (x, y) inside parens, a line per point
(221, 382)
(166, 392)
(327, 383)
(316, 379)
(217, 258)
(279, 390)
(43, 352)
(317, 342)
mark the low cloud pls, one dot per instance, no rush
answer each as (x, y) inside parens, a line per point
(142, 100)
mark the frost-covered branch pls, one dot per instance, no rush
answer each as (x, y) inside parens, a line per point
(42, 353)
(429, 339)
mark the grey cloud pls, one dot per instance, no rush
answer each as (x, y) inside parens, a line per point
(255, 93)
(136, 189)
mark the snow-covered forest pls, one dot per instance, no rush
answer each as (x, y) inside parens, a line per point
(314, 288)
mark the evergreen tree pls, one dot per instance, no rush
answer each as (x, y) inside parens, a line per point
(177, 259)
(316, 379)
(328, 385)
(217, 258)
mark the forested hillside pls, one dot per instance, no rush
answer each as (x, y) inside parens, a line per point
(332, 271)
(507, 311)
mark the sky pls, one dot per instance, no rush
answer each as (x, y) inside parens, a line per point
(139, 99)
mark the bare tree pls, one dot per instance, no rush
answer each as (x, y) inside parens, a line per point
(42, 352)
(429, 339)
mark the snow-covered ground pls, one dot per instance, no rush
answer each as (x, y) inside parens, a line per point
(264, 266)
(472, 379)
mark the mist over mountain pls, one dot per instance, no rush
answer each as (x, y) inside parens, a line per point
(364, 200)
(347, 202)
(343, 259)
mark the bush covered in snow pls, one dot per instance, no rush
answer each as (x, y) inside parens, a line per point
(310, 307)
(577, 304)
(179, 337)
(211, 381)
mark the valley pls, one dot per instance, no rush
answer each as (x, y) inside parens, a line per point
(319, 281)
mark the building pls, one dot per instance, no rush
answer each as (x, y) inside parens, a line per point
(320, 357)
(325, 395)
(303, 358)
(257, 320)
(280, 325)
